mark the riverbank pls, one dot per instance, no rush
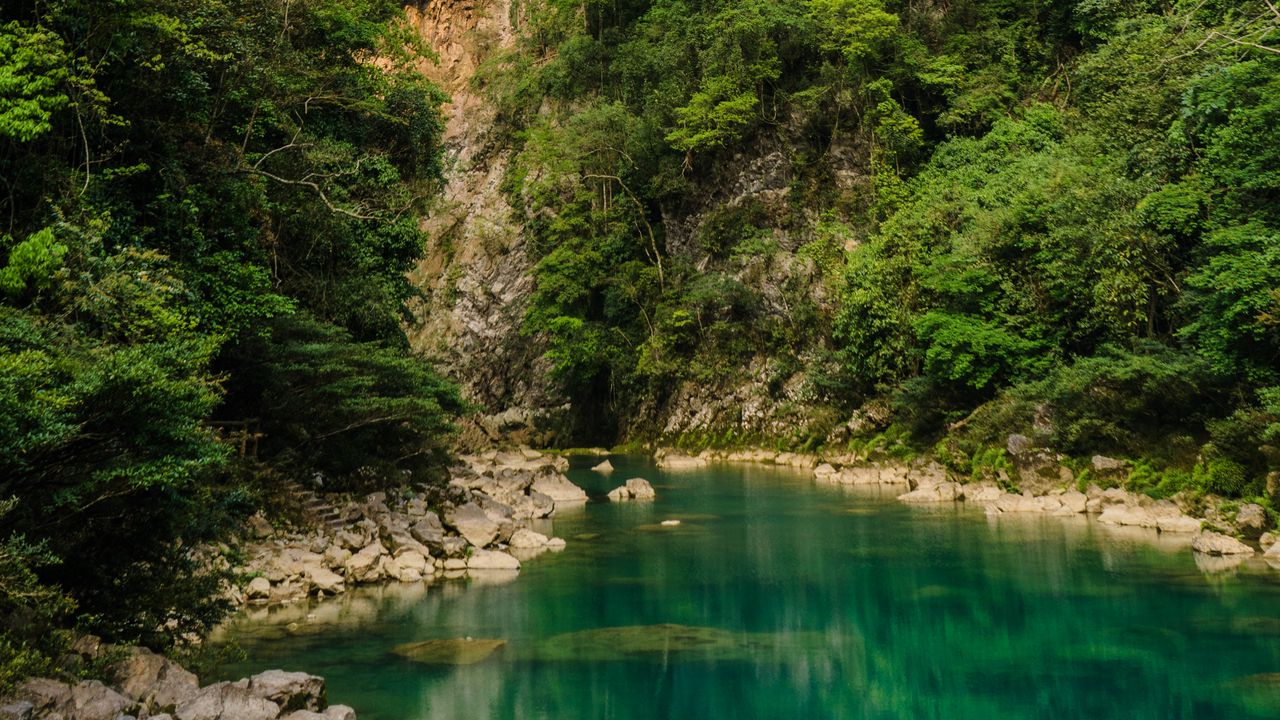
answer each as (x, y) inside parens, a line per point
(1222, 534)
(492, 516)
(143, 685)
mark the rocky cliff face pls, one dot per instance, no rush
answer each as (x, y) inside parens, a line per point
(477, 276)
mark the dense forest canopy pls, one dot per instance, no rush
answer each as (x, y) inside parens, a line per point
(206, 217)
(1068, 226)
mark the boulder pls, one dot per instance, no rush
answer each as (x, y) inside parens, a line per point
(429, 531)
(1105, 465)
(1252, 520)
(472, 523)
(290, 690)
(492, 560)
(1130, 515)
(47, 697)
(453, 546)
(352, 539)
(1273, 552)
(259, 588)
(605, 467)
(939, 492)
(455, 564)
(91, 700)
(1212, 543)
(155, 681)
(1178, 524)
(556, 544)
(640, 489)
(1267, 540)
(416, 508)
(1017, 444)
(260, 527)
(633, 489)
(526, 538)
(410, 566)
(1011, 503)
(543, 505)
(558, 488)
(365, 566)
(676, 461)
(1074, 502)
(227, 701)
(325, 580)
(336, 556)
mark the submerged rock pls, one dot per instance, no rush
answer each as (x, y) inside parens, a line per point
(668, 643)
(450, 651)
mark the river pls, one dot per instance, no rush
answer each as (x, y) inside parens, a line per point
(775, 597)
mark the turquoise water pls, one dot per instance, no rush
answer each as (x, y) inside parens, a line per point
(804, 601)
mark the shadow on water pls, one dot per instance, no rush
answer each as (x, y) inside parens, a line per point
(776, 597)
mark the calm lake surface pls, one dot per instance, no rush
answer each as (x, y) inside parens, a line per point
(804, 601)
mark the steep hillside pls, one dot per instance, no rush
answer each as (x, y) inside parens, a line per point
(835, 222)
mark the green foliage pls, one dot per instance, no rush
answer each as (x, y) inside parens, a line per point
(210, 210)
(94, 432)
(33, 71)
(32, 262)
(31, 614)
(342, 408)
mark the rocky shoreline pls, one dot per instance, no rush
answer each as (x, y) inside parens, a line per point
(487, 521)
(147, 686)
(482, 525)
(1223, 535)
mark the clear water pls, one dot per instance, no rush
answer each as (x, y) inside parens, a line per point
(837, 604)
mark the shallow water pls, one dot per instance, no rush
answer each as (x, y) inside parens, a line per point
(804, 601)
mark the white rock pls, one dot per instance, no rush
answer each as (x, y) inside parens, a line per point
(939, 492)
(1178, 524)
(492, 560)
(259, 588)
(225, 700)
(289, 690)
(324, 579)
(1127, 515)
(558, 488)
(1212, 543)
(526, 538)
(605, 467)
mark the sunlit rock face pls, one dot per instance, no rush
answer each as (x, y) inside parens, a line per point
(476, 275)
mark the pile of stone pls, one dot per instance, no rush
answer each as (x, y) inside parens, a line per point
(485, 523)
(147, 686)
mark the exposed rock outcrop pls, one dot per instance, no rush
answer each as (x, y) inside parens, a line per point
(633, 489)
